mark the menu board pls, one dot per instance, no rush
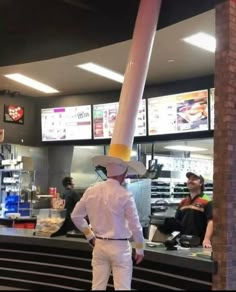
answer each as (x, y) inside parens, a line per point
(178, 113)
(212, 106)
(141, 120)
(66, 123)
(104, 117)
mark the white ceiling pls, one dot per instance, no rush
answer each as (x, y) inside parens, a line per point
(62, 74)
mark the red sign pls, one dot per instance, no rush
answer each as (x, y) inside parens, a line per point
(14, 114)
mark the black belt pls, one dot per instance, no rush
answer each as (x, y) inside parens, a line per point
(105, 238)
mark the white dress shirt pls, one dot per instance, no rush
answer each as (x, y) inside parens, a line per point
(112, 213)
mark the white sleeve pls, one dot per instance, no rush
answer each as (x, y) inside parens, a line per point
(78, 215)
(132, 217)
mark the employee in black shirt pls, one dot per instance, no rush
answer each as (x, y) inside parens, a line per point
(71, 198)
(194, 213)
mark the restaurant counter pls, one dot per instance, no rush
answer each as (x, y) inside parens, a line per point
(64, 263)
(21, 222)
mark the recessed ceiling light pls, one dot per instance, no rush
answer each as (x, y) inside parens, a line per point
(31, 83)
(202, 40)
(102, 71)
(184, 148)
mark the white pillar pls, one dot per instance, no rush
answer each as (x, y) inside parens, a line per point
(135, 78)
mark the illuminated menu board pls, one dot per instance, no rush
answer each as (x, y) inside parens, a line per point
(178, 113)
(104, 117)
(66, 123)
(141, 121)
(212, 105)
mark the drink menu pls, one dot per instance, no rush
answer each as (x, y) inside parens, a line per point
(178, 113)
(66, 123)
(104, 117)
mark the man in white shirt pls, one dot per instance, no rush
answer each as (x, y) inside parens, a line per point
(114, 220)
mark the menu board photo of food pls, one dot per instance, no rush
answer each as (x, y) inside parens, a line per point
(212, 106)
(192, 111)
(178, 113)
(104, 117)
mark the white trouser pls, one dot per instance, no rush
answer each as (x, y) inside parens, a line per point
(115, 256)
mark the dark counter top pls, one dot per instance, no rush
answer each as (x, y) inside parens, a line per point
(26, 236)
(183, 257)
(197, 258)
(20, 219)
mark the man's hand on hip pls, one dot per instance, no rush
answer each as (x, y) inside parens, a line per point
(92, 242)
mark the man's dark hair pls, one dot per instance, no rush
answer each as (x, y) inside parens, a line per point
(202, 182)
(202, 188)
(67, 181)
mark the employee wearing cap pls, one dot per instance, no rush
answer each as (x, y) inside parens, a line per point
(194, 213)
(114, 220)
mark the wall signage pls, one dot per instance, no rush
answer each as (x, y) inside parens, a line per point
(104, 117)
(14, 114)
(178, 113)
(212, 106)
(66, 123)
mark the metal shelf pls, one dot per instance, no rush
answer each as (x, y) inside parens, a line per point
(25, 181)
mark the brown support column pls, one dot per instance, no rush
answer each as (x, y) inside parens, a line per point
(224, 238)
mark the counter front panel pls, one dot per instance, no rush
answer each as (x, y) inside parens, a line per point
(38, 263)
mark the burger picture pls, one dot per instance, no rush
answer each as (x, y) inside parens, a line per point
(195, 112)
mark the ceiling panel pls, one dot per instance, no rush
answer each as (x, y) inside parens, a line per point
(62, 74)
(33, 30)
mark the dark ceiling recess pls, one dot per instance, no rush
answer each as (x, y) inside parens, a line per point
(33, 30)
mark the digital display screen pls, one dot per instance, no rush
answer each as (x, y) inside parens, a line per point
(212, 106)
(178, 113)
(104, 117)
(66, 123)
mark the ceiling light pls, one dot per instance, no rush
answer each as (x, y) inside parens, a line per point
(184, 148)
(102, 71)
(31, 83)
(202, 40)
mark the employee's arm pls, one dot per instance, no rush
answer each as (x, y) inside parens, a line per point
(208, 235)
